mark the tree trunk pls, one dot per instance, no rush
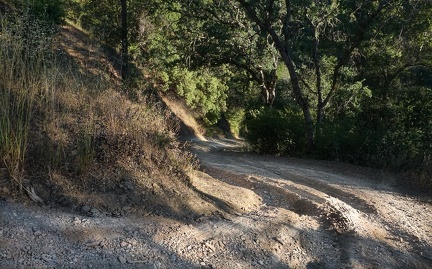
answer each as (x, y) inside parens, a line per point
(268, 94)
(299, 96)
(268, 86)
(124, 41)
(310, 132)
(285, 53)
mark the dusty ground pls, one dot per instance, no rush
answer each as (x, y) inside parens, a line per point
(284, 213)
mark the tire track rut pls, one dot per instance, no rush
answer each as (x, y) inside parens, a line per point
(346, 206)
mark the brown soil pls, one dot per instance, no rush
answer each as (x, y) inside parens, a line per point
(266, 212)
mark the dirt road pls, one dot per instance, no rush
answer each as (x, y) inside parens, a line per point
(323, 214)
(285, 213)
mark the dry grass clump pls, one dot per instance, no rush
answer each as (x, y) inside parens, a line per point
(65, 130)
(22, 63)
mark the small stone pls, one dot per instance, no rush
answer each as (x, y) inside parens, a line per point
(122, 259)
(37, 233)
(86, 208)
(261, 262)
(124, 244)
(128, 185)
(47, 258)
(133, 242)
(127, 208)
(5, 190)
(94, 211)
(93, 243)
(202, 263)
(156, 265)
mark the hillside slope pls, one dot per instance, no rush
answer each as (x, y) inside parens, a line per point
(93, 146)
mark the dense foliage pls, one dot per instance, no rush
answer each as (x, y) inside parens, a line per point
(359, 72)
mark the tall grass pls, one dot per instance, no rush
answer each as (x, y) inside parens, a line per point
(60, 116)
(22, 63)
(15, 117)
(32, 78)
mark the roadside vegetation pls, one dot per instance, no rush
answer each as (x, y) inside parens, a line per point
(68, 126)
(346, 80)
(336, 80)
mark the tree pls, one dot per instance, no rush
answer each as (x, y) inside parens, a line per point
(223, 35)
(334, 30)
(124, 40)
(256, 35)
(397, 66)
(115, 22)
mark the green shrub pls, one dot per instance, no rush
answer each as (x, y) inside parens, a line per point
(202, 91)
(341, 140)
(48, 11)
(274, 131)
(236, 118)
(387, 146)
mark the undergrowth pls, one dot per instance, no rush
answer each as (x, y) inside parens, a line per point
(22, 54)
(58, 117)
